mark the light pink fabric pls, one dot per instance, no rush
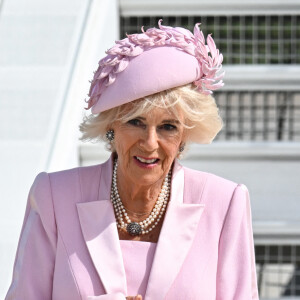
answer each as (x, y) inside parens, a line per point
(69, 247)
(138, 259)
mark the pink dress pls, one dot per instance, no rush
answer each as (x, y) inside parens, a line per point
(137, 258)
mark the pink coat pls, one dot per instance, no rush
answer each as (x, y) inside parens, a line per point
(69, 247)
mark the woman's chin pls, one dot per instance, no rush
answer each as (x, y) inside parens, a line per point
(147, 179)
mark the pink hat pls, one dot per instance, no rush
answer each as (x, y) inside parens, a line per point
(154, 61)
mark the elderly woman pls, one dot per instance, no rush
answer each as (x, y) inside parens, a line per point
(141, 226)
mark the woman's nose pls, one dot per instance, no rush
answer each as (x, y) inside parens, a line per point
(149, 141)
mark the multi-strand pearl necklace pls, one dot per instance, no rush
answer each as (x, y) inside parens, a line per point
(147, 225)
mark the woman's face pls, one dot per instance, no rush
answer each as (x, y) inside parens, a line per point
(147, 145)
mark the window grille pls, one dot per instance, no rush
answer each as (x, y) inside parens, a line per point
(259, 116)
(278, 271)
(241, 39)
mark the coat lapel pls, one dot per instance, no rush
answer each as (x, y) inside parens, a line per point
(99, 230)
(175, 240)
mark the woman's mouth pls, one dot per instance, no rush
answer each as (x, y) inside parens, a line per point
(146, 162)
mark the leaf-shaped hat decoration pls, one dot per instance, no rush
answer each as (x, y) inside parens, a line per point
(119, 56)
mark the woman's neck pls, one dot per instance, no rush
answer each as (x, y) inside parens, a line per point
(138, 199)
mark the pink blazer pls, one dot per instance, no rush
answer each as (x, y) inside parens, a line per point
(69, 247)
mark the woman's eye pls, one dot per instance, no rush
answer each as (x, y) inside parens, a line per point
(135, 122)
(168, 127)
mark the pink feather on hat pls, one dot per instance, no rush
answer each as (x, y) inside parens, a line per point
(174, 57)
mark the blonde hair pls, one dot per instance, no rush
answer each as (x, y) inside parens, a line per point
(202, 121)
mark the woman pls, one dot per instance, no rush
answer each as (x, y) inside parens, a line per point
(141, 224)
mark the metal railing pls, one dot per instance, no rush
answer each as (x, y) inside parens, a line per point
(278, 270)
(244, 39)
(259, 115)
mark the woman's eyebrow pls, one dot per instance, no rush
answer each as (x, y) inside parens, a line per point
(171, 121)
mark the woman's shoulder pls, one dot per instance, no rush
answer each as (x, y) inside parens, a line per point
(63, 177)
(195, 176)
(219, 195)
(212, 188)
(65, 182)
(86, 171)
